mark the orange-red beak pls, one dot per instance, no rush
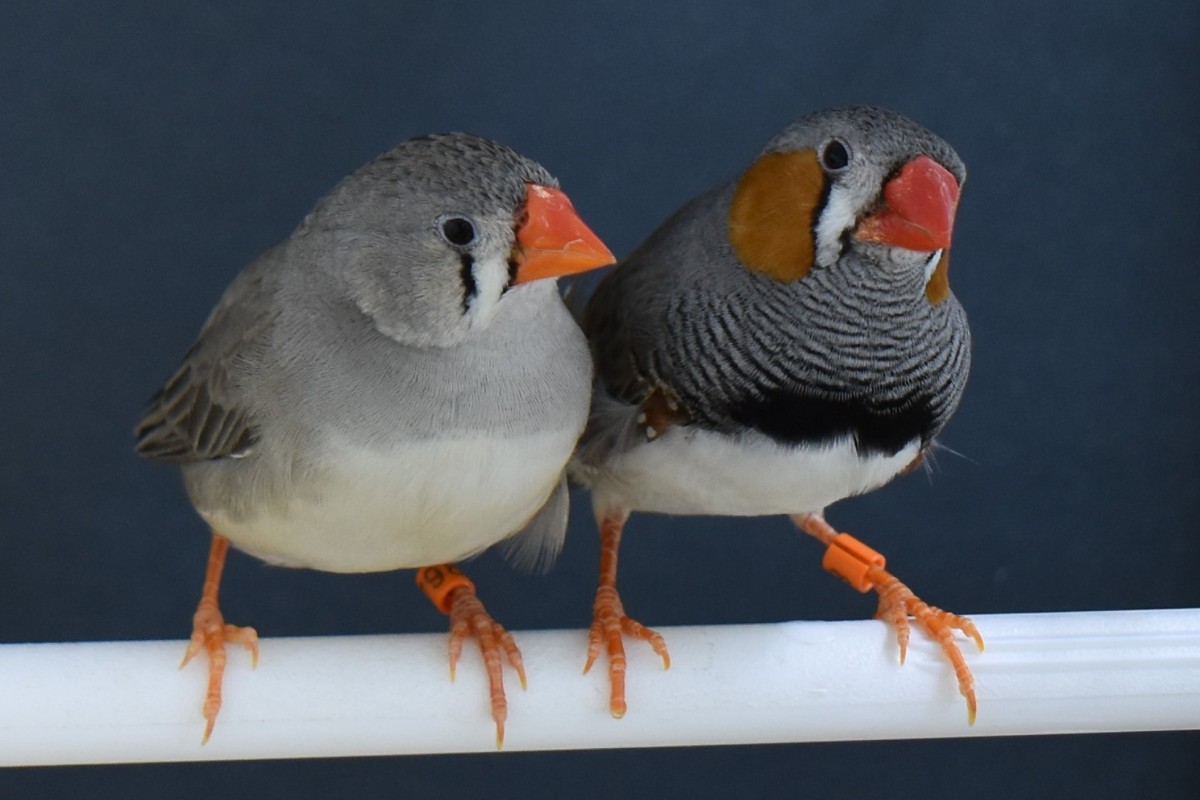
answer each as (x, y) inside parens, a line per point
(552, 240)
(919, 208)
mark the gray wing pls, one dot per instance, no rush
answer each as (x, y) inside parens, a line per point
(535, 547)
(198, 414)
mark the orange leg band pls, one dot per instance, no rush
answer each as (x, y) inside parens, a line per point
(439, 582)
(454, 594)
(863, 568)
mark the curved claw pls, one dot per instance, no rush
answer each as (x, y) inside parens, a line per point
(897, 603)
(864, 570)
(468, 617)
(210, 633)
(610, 624)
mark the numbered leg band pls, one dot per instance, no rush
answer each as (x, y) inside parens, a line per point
(438, 582)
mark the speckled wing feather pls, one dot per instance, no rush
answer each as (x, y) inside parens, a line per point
(626, 314)
(625, 318)
(197, 415)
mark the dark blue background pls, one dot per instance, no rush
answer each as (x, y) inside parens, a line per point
(150, 150)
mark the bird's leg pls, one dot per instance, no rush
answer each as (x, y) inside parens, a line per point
(863, 568)
(210, 633)
(609, 621)
(454, 595)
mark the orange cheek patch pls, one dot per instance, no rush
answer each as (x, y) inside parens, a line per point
(773, 211)
(938, 287)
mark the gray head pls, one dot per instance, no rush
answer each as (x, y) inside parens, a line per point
(856, 177)
(874, 137)
(426, 238)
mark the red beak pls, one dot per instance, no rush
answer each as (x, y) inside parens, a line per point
(552, 240)
(919, 206)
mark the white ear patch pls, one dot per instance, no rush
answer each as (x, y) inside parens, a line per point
(838, 216)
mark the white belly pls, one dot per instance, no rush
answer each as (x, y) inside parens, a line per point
(420, 504)
(700, 472)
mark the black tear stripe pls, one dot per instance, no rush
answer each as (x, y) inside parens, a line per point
(512, 273)
(466, 274)
(791, 418)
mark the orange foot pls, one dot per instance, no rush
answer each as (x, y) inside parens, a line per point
(609, 625)
(210, 633)
(897, 603)
(863, 568)
(609, 620)
(454, 594)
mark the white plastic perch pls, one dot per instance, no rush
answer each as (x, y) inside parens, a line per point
(112, 702)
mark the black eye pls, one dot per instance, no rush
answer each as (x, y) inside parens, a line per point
(458, 231)
(835, 156)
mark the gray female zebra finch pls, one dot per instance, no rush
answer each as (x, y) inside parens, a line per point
(781, 343)
(406, 341)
